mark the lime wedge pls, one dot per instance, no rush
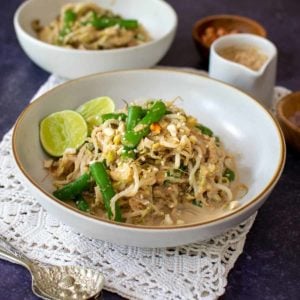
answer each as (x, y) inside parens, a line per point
(62, 130)
(93, 109)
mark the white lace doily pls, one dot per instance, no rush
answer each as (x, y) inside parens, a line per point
(195, 271)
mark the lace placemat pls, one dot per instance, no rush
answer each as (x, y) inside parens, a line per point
(194, 271)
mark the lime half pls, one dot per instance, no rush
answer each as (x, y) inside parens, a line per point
(62, 130)
(93, 109)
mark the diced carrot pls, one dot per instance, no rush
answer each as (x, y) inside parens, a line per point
(155, 128)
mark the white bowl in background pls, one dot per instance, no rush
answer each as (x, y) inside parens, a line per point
(246, 128)
(158, 17)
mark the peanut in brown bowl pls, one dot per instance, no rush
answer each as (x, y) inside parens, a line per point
(207, 30)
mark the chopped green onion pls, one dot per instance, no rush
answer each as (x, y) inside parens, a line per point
(81, 204)
(176, 173)
(183, 168)
(218, 141)
(197, 203)
(128, 153)
(69, 18)
(205, 130)
(229, 174)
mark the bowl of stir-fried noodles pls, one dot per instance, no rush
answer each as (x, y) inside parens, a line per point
(180, 159)
(76, 38)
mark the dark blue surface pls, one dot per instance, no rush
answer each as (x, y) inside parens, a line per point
(269, 267)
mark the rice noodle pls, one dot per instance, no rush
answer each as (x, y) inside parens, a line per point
(169, 171)
(129, 192)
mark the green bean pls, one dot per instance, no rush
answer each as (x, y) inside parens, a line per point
(114, 116)
(133, 137)
(129, 23)
(105, 22)
(102, 179)
(144, 112)
(154, 114)
(205, 130)
(229, 174)
(81, 204)
(71, 190)
(134, 115)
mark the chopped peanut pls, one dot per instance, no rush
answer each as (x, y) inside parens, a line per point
(212, 33)
(155, 146)
(117, 139)
(191, 121)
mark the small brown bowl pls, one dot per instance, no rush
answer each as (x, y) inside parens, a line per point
(219, 25)
(287, 108)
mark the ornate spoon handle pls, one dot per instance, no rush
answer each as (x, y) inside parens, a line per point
(13, 255)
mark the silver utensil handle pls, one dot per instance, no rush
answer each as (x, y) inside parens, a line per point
(10, 253)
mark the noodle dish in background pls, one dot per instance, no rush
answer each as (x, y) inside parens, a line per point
(73, 38)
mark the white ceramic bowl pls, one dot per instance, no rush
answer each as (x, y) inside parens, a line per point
(245, 127)
(158, 17)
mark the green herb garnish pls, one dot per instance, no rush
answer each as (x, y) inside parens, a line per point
(205, 130)
(229, 174)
